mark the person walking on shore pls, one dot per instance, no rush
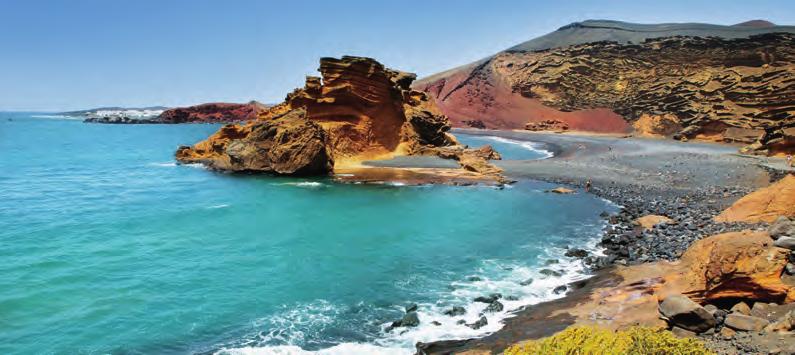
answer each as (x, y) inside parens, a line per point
(588, 185)
(789, 160)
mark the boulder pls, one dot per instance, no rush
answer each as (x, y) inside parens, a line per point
(745, 323)
(560, 289)
(741, 308)
(782, 227)
(727, 333)
(494, 307)
(455, 311)
(649, 221)
(680, 311)
(412, 307)
(576, 253)
(763, 205)
(683, 333)
(785, 242)
(731, 266)
(783, 324)
(480, 323)
(488, 299)
(411, 319)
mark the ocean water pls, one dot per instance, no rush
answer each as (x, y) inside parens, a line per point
(108, 246)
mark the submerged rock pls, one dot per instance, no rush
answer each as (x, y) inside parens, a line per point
(480, 323)
(455, 311)
(493, 307)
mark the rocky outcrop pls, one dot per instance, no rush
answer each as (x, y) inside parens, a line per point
(731, 85)
(475, 124)
(547, 125)
(218, 112)
(356, 110)
(290, 145)
(763, 205)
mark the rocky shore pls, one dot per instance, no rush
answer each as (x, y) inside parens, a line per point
(676, 199)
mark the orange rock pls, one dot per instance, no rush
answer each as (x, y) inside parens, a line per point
(737, 265)
(657, 125)
(763, 205)
(358, 110)
(649, 221)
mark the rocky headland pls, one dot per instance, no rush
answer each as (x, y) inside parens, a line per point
(357, 110)
(218, 112)
(733, 84)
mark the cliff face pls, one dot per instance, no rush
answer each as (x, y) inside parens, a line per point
(738, 86)
(357, 110)
(213, 113)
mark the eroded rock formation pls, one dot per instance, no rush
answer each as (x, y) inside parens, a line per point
(357, 110)
(763, 205)
(737, 90)
(547, 125)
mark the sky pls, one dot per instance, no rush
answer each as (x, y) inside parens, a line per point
(79, 54)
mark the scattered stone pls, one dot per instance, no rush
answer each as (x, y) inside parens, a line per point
(760, 309)
(782, 227)
(494, 307)
(461, 321)
(480, 323)
(711, 308)
(511, 298)
(455, 311)
(551, 262)
(742, 322)
(649, 221)
(727, 333)
(488, 299)
(682, 333)
(436, 323)
(560, 289)
(785, 242)
(576, 253)
(549, 272)
(411, 307)
(680, 311)
(783, 324)
(526, 282)
(741, 308)
(474, 278)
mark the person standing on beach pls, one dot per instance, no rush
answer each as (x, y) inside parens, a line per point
(588, 185)
(789, 160)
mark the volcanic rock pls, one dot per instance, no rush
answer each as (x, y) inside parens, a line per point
(746, 323)
(689, 81)
(357, 110)
(763, 205)
(218, 112)
(682, 312)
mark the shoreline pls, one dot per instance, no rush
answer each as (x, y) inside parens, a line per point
(629, 172)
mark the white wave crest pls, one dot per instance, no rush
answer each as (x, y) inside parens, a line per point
(536, 147)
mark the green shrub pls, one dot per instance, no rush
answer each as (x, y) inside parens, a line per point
(599, 341)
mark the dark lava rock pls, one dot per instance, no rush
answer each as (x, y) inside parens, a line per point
(479, 323)
(548, 272)
(560, 289)
(576, 253)
(455, 311)
(526, 282)
(488, 299)
(411, 307)
(493, 307)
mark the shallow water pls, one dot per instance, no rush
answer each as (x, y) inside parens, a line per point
(108, 246)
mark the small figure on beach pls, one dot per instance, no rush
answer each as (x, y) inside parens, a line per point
(588, 185)
(789, 160)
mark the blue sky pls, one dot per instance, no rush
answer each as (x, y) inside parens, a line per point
(62, 55)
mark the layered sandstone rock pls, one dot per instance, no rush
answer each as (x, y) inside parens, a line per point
(218, 112)
(763, 205)
(737, 90)
(357, 110)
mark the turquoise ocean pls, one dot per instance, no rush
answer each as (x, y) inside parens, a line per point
(107, 246)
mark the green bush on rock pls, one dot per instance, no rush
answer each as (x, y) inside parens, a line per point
(598, 341)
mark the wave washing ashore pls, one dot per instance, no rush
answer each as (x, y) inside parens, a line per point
(112, 248)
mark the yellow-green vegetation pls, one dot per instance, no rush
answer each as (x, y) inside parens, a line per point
(598, 341)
